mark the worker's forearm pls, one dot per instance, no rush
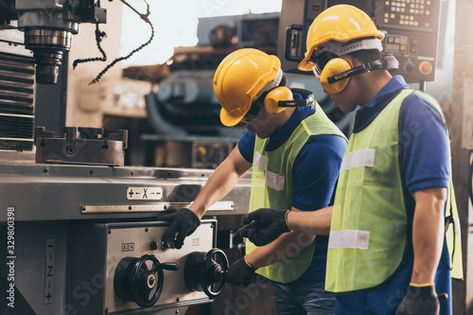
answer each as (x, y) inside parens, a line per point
(287, 245)
(221, 182)
(311, 222)
(427, 236)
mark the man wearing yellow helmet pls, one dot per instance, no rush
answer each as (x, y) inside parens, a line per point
(295, 153)
(387, 251)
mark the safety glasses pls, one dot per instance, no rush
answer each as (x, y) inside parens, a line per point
(320, 61)
(255, 110)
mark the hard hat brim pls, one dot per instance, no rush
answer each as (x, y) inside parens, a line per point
(306, 64)
(230, 120)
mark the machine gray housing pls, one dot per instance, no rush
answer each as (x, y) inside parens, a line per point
(62, 217)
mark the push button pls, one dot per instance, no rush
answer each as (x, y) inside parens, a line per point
(425, 67)
(153, 245)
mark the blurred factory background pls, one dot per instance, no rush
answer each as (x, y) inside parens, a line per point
(163, 132)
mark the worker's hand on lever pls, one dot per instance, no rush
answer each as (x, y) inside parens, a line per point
(264, 225)
(240, 273)
(420, 300)
(183, 223)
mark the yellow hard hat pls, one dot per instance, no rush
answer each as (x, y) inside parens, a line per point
(339, 23)
(241, 78)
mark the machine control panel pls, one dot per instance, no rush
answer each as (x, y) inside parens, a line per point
(137, 274)
(411, 28)
(170, 281)
(401, 44)
(416, 13)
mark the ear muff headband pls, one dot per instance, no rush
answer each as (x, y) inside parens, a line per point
(293, 103)
(379, 64)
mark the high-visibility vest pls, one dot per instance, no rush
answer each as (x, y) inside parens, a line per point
(369, 223)
(272, 187)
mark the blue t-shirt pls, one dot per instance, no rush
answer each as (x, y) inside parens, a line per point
(425, 163)
(315, 174)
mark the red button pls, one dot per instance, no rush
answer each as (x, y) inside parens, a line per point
(426, 67)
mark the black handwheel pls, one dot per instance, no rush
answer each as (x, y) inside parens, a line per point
(206, 272)
(219, 262)
(140, 280)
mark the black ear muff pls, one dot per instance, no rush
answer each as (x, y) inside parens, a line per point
(272, 99)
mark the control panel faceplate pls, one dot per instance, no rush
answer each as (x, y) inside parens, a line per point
(137, 241)
(129, 272)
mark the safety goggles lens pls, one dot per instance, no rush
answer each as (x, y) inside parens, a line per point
(320, 61)
(255, 109)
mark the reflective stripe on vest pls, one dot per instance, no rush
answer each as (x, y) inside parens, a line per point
(369, 222)
(358, 158)
(272, 186)
(349, 239)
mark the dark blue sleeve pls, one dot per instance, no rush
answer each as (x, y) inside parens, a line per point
(424, 145)
(246, 145)
(316, 170)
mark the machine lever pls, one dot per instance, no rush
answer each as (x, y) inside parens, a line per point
(173, 266)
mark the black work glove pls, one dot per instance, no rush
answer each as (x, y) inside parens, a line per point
(240, 273)
(419, 300)
(264, 226)
(183, 223)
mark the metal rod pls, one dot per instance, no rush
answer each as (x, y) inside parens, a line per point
(422, 86)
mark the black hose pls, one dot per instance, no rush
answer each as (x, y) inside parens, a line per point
(145, 18)
(99, 36)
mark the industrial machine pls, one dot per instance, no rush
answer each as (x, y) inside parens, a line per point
(411, 29)
(48, 27)
(17, 93)
(82, 231)
(35, 37)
